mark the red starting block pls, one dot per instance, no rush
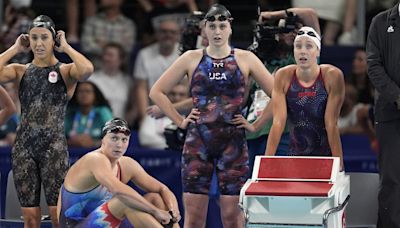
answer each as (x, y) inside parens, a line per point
(295, 192)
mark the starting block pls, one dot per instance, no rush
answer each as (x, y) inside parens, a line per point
(295, 192)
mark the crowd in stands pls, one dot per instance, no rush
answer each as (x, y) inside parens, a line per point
(131, 50)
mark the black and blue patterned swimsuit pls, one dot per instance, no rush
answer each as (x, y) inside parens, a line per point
(40, 152)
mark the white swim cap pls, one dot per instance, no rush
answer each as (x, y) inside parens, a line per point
(309, 32)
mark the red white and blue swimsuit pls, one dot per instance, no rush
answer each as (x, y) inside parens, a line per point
(217, 88)
(306, 114)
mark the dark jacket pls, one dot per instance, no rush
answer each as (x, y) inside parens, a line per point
(383, 56)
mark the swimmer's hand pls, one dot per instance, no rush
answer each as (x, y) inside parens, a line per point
(176, 216)
(162, 216)
(22, 43)
(241, 122)
(61, 42)
(191, 118)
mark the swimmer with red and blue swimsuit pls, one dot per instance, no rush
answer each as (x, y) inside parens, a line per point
(310, 96)
(215, 137)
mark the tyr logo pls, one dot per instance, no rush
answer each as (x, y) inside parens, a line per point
(217, 65)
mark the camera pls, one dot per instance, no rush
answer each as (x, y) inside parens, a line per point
(191, 31)
(266, 40)
(175, 137)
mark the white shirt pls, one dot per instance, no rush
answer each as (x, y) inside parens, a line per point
(151, 132)
(115, 89)
(150, 64)
(350, 120)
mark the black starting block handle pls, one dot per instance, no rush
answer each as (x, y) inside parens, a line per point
(333, 210)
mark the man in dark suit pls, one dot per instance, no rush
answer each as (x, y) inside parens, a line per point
(383, 54)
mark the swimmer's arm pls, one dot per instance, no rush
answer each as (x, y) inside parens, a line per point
(279, 113)
(260, 74)
(175, 73)
(81, 68)
(335, 87)
(7, 106)
(10, 72)
(100, 167)
(183, 107)
(151, 185)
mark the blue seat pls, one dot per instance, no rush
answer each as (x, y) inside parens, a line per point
(358, 155)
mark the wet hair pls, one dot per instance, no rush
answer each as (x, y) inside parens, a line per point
(218, 9)
(43, 21)
(116, 125)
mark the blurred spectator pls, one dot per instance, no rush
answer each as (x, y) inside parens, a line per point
(355, 117)
(8, 129)
(157, 11)
(110, 25)
(334, 16)
(151, 133)
(111, 78)
(17, 17)
(153, 60)
(361, 83)
(87, 112)
(73, 16)
(348, 122)
(132, 109)
(359, 77)
(349, 32)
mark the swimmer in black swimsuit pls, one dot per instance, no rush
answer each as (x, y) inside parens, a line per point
(40, 153)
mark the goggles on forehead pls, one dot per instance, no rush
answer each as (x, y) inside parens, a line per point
(310, 33)
(44, 24)
(119, 129)
(219, 18)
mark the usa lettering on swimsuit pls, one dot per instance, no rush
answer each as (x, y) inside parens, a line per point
(216, 76)
(217, 65)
